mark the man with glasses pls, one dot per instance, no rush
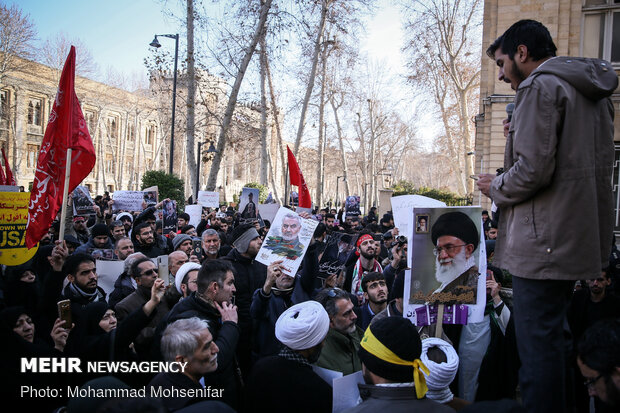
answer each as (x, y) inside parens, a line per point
(455, 237)
(144, 272)
(145, 241)
(588, 306)
(599, 362)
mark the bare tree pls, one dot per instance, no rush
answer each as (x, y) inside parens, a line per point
(17, 36)
(232, 99)
(191, 96)
(444, 49)
(54, 54)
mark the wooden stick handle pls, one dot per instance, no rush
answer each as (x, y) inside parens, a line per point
(65, 195)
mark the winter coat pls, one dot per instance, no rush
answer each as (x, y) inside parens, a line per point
(555, 196)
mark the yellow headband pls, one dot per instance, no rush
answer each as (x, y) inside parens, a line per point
(376, 348)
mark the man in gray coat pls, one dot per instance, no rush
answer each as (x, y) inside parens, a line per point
(558, 166)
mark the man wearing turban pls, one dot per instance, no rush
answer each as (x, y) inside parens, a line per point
(455, 237)
(286, 382)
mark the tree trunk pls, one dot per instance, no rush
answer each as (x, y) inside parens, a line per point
(232, 100)
(345, 170)
(264, 159)
(275, 113)
(315, 61)
(322, 137)
(191, 97)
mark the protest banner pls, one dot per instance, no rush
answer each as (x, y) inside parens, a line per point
(107, 273)
(82, 201)
(248, 202)
(287, 240)
(429, 284)
(338, 248)
(9, 188)
(403, 205)
(128, 200)
(151, 196)
(209, 199)
(170, 217)
(195, 214)
(13, 219)
(352, 206)
(385, 196)
(268, 211)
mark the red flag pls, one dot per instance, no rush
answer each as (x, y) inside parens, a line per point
(66, 129)
(2, 177)
(297, 178)
(10, 180)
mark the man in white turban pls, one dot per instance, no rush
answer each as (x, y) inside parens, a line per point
(442, 362)
(287, 382)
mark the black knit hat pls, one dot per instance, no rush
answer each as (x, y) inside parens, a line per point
(99, 229)
(456, 224)
(400, 336)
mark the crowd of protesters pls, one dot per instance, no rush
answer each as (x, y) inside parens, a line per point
(250, 338)
(229, 317)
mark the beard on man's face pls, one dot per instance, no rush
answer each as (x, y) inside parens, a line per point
(449, 269)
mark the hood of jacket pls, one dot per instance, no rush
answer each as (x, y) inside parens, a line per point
(596, 79)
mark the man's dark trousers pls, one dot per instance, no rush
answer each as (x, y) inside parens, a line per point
(540, 319)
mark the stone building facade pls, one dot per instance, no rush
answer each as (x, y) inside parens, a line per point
(124, 127)
(589, 28)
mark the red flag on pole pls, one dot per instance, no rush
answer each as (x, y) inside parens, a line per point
(9, 179)
(66, 129)
(297, 178)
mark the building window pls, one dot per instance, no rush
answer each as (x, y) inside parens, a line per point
(4, 107)
(90, 188)
(113, 129)
(34, 112)
(33, 156)
(131, 131)
(90, 120)
(150, 135)
(109, 164)
(110, 188)
(601, 30)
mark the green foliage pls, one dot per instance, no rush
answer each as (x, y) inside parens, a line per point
(169, 186)
(450, 198)
(263, 192)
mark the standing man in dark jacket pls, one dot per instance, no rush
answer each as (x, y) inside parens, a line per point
(249, 276)
(212, 302)
(558, 165)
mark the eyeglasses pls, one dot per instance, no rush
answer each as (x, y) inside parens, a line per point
(150, 272)
(589, 383)
(448, 249)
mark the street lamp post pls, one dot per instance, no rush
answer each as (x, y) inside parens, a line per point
(344, 179)
(155, 43)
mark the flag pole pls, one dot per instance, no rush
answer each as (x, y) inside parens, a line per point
(65, 195)
(286, 189)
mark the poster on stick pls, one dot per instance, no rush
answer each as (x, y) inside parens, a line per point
(287, 240)
(82, 201)
(209, 199)
(448, 256)
(128, 200)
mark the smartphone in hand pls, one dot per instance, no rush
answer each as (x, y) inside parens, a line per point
(64, 312)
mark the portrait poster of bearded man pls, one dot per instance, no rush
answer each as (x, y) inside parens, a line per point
(447, 259)
(287, 240)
